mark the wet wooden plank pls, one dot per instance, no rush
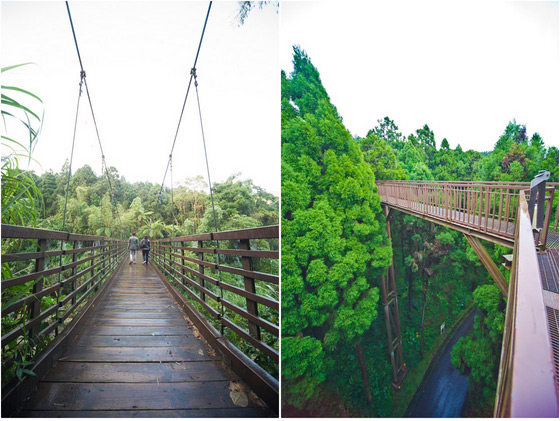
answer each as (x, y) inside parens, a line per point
(169, 372)
(135, 330)
(134, 341)
(136, 322)
(139, 314)
(160, 413)
(134, 396)
(117, 353)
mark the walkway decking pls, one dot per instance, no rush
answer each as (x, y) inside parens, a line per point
(136, 356)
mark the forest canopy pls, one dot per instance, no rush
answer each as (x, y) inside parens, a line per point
(145, 208)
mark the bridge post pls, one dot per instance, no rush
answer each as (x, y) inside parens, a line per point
(74, 269)
(92, 263)
(252, 308)
(392, 320)
(38, 287)
(104, 257)
(201, 270)
(183, 271)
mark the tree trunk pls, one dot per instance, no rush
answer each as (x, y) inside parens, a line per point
(341, 405)
(410, 288)
(424, 293)
(363, 368)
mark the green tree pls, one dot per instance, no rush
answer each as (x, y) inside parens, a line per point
(478, 353)
(334, 248)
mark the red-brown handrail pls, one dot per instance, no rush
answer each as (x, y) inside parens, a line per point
(220, 273)
(482, 208)
(526, 378)
(51, 275)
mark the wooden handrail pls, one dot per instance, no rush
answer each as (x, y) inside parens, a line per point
(526, 377)
(220, 273)
(50, 283)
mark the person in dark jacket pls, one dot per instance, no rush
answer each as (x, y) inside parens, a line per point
(133, 246)
(145, 246)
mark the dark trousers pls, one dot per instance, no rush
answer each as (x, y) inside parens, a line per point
(145, 255)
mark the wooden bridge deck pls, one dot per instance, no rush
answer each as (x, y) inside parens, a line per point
(137, 356)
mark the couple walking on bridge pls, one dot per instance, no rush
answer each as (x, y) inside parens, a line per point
(133, 246)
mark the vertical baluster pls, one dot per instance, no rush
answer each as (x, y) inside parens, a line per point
(183, 271)
(500, 209)
(201, 270)
(486, 208)
(38, 287)
(252, 308)
(548, 213)
(507, 209)
(74, 269)
(104, 257)
(493, 203)
(480, 211)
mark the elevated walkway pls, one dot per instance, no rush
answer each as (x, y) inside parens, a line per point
(501, 213)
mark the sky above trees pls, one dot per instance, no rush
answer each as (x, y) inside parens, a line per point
(464, 68)
(137, 57)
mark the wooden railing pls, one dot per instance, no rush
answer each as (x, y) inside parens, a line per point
(488, 209)
(232, 280)
(526, 378)
(47, 278)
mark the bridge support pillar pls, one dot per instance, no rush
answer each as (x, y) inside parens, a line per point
(392, 320)
(488, 263)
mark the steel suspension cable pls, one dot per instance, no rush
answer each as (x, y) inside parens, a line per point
(193, 71)
(93, 115)
(211, 198)
(82, 75)
(82, 79)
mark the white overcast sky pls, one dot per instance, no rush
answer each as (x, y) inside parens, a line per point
(137, 56)
(465, 68)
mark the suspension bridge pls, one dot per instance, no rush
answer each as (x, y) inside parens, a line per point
(126, 341)
(518, 216)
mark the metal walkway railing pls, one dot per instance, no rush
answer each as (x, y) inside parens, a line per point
(486, 210)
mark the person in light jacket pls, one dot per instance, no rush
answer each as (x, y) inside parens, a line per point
(133, 246)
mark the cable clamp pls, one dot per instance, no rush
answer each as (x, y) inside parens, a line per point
(82, 74)
(193, 72)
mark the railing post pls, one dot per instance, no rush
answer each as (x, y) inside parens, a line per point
(92, 262)
(183, 271)
(74, 269)
(252, 308)
(486, 208)
(38, 287)
(547, 217)
(201, 270)
(104, 257)
(446, 193)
